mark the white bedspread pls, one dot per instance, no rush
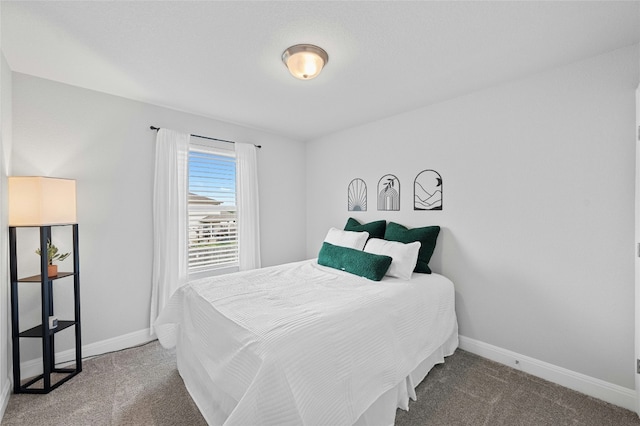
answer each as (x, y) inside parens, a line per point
(305, 344)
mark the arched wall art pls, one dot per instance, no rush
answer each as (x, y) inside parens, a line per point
(389, 193)
(427, 191)
(357, 196)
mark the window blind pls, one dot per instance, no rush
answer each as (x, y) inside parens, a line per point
(213, 229)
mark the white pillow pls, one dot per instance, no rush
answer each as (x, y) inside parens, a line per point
(405, 256)
(351, 239)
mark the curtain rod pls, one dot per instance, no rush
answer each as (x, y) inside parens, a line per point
(205, 137)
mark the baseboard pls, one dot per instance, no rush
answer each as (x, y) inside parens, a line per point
(609, 392)
(34, 367)
(5, 394)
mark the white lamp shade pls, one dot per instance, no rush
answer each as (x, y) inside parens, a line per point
(38, 201)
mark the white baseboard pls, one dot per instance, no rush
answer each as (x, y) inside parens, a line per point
(609, 392)
(5, 394)
(34, 367)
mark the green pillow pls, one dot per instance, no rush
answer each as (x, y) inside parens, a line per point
(427, 237)
(375, 229)
(361, 263)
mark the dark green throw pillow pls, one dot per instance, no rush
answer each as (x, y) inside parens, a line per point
(361, 263)
(427, 237)
(375, 229)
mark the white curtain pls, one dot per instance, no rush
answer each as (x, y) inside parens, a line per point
(247, 203)
(170, 222)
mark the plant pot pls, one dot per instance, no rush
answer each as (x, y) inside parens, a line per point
(52, 270)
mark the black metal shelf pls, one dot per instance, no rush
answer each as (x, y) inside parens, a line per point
(26, 387)
(50, 377)
(38, 278)
(37, 330)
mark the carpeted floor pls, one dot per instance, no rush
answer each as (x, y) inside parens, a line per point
(141, 386)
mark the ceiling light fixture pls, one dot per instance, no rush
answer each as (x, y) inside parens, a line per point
(305, 61)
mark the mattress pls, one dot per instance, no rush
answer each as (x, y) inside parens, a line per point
(302, 344)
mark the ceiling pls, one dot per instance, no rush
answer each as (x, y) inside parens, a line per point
(222, 59)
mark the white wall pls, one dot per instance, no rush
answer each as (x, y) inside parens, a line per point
(105, 143)
(538, 219)
(5, 168)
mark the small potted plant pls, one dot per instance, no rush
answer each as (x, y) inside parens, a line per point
(53, 255)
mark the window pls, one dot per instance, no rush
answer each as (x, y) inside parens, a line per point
(213, 230)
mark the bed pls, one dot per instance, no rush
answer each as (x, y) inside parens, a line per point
(304, 344)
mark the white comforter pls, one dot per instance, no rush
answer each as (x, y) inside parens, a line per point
(305, 344)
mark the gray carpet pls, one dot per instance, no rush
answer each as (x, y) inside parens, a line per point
(141, 386)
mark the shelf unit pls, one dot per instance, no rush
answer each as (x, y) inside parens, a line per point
(42, 331)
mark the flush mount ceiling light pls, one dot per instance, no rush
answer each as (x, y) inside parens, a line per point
(305, 61)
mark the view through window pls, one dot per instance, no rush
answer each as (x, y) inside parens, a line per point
(213, 230)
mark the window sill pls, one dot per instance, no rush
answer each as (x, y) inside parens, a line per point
(213, 272)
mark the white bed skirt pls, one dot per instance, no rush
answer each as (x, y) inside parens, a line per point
(381, 413)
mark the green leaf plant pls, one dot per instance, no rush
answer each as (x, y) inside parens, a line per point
(52, 253)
